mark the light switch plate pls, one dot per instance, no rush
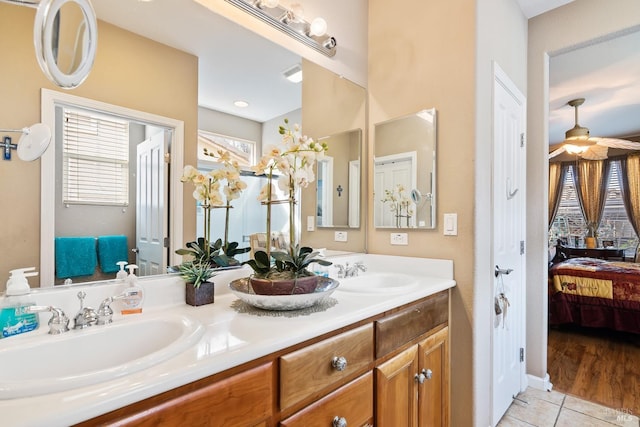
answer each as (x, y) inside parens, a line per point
(451, 224)
(311, 223)
(340, 236)
(399, 239)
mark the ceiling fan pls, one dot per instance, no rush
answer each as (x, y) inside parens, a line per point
(577, 141)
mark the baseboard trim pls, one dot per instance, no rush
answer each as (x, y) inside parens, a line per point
(540, 383)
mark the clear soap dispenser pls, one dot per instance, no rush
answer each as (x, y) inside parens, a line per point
(121, 275)
(132, 303)
(13, 319)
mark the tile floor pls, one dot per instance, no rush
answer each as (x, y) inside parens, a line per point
(553, 409)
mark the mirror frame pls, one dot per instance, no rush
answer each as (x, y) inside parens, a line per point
(49, 99)
(414, 194)
(43, 29)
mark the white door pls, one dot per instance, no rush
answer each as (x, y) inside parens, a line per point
(509, 208)
(354, 193)
(151, 213)
(390, 172)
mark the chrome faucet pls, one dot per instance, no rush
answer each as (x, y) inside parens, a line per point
(105, 312)
(59, 321)
(86, 316)
(346, 270)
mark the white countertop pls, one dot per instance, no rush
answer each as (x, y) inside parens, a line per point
(232, 336)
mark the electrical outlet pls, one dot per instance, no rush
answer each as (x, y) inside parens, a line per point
(399, 239)
(340, 236)
(311, 223)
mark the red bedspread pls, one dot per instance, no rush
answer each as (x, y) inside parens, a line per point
(595, 293)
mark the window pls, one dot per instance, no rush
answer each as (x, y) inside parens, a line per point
(241, 150)
(614, 227)
(95, 159)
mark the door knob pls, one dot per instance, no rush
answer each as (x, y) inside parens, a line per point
(499, 271)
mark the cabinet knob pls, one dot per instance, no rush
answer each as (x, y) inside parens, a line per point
(425, 374)
(428, 373)
(339, 421)
(339, 363)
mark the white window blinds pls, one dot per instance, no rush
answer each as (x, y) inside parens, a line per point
(95, 159)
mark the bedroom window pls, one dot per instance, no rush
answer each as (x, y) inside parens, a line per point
(615, 227)
(95, 159)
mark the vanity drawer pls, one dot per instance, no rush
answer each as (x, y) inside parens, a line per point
(353, 402)
(311, 370)
(397, 329)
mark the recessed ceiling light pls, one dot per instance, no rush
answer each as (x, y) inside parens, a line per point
(241, 104)
(293, 74)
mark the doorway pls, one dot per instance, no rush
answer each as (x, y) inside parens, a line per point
(50, 101)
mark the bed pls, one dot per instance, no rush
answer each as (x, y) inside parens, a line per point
(595, 293)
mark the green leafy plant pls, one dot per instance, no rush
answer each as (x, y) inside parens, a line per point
(286, 265)
(196, 273)
(217, 255)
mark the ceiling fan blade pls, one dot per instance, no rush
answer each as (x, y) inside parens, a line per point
(595, 152)
(557, 152)
(617, 143)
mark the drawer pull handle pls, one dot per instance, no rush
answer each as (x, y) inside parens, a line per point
(339, 363)
(339, 421)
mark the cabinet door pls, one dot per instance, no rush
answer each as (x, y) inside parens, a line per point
(397, 391)
(245, 399)
(353, 402)
(433, 394)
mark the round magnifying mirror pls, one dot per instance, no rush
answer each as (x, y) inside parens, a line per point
(34, 142)
(65, 34)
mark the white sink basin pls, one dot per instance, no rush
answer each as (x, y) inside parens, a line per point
(378, 283)
(45, 363)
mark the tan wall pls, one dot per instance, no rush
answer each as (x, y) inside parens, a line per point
(129, 71)
(424, 59)
(330, 105)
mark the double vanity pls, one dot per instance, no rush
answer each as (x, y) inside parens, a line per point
(374, 352)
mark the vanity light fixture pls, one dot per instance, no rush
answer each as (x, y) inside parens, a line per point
(293, 74)
(291, 22)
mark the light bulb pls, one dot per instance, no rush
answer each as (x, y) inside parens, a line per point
(298, 11)
(318, 27)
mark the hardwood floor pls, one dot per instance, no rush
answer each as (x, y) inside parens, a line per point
(596, 365)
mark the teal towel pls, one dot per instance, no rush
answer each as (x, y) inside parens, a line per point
(112, 249)
(75, 256)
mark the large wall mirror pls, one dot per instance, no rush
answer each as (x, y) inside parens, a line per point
(405, 171)
(338, 182)
(311, 110)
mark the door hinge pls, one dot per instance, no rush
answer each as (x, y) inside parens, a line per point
(165, 242)
(522, 139)
(521, 354)
(167, 158)
(521, 247)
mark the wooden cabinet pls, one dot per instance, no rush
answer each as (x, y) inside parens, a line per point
(351, 404)
(412, 388)
(390, 370)
(313, 370)
(245, 399)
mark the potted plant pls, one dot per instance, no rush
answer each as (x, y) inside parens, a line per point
(207, 192)
(198, 290)
(279, 273)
